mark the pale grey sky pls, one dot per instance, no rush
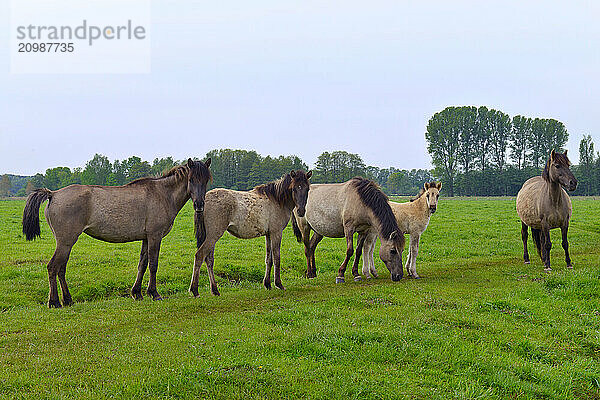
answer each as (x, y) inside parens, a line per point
(302, 77)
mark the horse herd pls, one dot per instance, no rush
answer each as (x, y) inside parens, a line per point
(145, 210)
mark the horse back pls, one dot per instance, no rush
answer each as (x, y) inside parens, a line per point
(109, 213)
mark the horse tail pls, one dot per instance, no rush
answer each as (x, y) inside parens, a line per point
(31, 213)
(296, 229)
(199, 228)
(536, 233)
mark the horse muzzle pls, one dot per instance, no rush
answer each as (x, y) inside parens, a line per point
(396, 277)
(572, 185)
(432, 209)
(300, 212)
(199, 206)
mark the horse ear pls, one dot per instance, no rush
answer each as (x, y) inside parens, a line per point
(552, 154)
(426, 185)
(293, 173)
(566, 152)
(439, 185)
(309, 175)
(190, 163)
(207, 162)
(394, 235)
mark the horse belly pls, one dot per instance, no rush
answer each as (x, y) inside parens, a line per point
(249, 222)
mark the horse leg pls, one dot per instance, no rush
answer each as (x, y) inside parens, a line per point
(316, 239)
(412, 254)
(538, 241)
(67, 299)
(349, 252)
(565, 245)
(58, 267)
(524, 235)
(372, 257)
(210, 261)
(153, 250)
(359, 248)
(276, 254)
(306, 241)
(268, 262)
(136, 290)
(366, 269)
(546, 249)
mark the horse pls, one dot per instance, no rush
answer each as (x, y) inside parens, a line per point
(141, 210)
(543, 204)
(341, 209)
(262, 211)
(412, 218)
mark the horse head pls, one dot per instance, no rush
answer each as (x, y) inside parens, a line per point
(390, 253)
(300, 186)
(198, 178)
(432, 192)
(558, 170)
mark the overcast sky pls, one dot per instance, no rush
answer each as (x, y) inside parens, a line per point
(303, 77)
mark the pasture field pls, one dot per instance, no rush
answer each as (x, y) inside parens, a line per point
(480, 324)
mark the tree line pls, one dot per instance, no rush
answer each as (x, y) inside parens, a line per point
(485, 152)
(232, 169)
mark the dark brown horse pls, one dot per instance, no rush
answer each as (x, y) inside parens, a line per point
(141, 210)
(543, 204)
(263, 211)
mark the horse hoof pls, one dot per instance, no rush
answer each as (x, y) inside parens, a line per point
(357, 278)
(570, 266)
(527, 262)
(375, 275)
(339, 280)
(215, 292)
(68, 302)
(267, 285)
(547, 270)
(137, 296)
(415, 276)
(157, 298)
(54, 304)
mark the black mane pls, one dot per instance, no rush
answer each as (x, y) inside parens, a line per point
(377, 201)
(279, 190)
(179, 172)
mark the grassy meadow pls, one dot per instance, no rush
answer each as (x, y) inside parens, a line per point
(479, 325)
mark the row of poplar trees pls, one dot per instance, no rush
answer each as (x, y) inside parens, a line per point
(481, 151)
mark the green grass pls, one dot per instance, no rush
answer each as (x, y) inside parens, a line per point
(480, 324)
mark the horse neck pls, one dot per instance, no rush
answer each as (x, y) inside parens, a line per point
(421, 205)
(554, 193)
(178, 192)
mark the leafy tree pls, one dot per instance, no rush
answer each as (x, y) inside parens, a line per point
(96, 171)
(586, 168)
(519, 138)
(443, 144)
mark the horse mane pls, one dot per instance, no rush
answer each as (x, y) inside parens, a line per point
(373, 198)
(277, 190)
(421, 193)
(559, 158)
(177, 173)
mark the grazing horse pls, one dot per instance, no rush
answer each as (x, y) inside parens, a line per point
(543, 204)
(262, 211)
(341, 209)
(412, 218)
(141, 210)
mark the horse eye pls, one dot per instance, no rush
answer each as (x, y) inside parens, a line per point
(557, 165)
(393, 251)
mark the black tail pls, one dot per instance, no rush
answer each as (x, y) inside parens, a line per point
(296, 229)
(536, 233)
(199, 228)
(31, 213)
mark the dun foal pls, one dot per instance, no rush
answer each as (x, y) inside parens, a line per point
(412, 218)
(263, 211)
(141, 210)
(543, 204)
